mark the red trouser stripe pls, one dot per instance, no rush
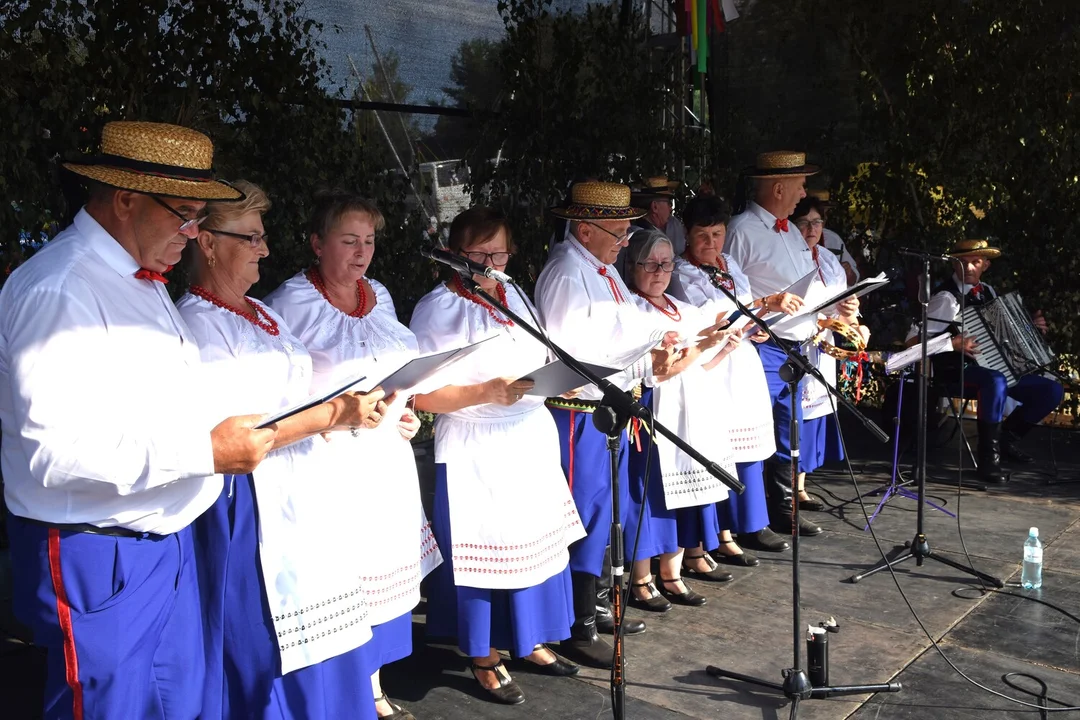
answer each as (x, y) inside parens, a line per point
(63, 612)
(570, 471)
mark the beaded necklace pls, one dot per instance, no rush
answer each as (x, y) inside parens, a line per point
(672, 310)
(315, 278)
(262, 320)
(500, 291)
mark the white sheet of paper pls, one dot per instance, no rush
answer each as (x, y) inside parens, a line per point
(937, 344)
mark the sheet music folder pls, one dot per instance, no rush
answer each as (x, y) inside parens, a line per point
(556, 378)
(779, 321)
(407, 376)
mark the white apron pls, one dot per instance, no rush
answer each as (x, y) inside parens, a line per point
(388, 526)
(689, 405)
(816, 402)
(316, 599)
(740, 379)
(511, 512)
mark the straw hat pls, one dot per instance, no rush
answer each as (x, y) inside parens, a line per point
(658, 186)
(781, 163)
(822, 196)
(978, 248)
(598, 201)
(156, 159)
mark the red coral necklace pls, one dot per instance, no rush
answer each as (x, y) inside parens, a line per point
(315, 278)
(262, 320)
(500, 291)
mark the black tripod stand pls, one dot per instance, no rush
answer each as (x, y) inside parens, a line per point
(797, 686)
(919, 548)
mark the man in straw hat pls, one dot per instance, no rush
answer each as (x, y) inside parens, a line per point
(588, 310)
(831, 240)
(1038, 396)
(773, 255)
(656, 197)
(108, 454)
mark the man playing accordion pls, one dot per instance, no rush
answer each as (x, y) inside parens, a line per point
(1037, 395)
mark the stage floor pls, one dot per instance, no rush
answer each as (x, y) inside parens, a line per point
(746, 627)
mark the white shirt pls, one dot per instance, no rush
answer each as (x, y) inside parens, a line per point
(104, 416)
(594, 316)
(944, 306)
(770, 258)
(676, 233)
(836, 245)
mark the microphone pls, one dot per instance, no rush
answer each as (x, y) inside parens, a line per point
(464, 265)
(716, 271)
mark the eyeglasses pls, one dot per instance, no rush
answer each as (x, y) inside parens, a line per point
(495, 258)
(652, 267)
(253, 239)
(187, 223)
(618, 238)
(803, 224)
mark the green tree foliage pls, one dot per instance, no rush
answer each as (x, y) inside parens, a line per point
(580, 99)
(477, 85)
(248, 73)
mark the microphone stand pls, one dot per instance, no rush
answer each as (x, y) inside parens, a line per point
(609, 418)
(919, 548)
(796, 684)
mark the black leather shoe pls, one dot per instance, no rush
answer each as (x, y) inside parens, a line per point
(654, 603)
(586, 648)
(714, 573)
(1010, 450)
(688, 598)
(806, 528)
(764, 540)
(814, 504)
(556, 668)
(743, 559)
(605, 623)
(508, 692)
(990, 470)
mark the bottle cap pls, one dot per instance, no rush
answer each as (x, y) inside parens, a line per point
(1033, 532)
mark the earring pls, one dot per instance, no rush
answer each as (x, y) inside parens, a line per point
(212, 260)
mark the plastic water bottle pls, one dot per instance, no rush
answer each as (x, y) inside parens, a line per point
(1031, 577)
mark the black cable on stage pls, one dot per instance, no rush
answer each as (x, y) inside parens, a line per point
(896, 580)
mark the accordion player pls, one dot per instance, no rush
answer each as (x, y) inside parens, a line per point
(1037, 396)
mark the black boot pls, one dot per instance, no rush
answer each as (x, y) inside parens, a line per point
(990, 453)
(1013, 431)
(605, 621)
(584, 646)
(779, 498)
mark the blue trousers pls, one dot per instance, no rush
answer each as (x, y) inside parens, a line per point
(587, 466)
(746, 513)
(772, 358)
(118, 617)
(1038, 396)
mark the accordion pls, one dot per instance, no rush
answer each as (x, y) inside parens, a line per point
(1007, 340)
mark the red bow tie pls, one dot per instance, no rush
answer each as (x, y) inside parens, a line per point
(781, 225)
(977, 289)
(144, 274)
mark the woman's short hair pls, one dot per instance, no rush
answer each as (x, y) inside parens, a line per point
(255, 200)
(805, 206)
(642, 243)
(332, 205)
(478, 225)
(705, 211)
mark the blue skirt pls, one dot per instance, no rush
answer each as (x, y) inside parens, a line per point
(588, 471)
(659, 528)
(819, 443)
(698, 526)
(746, 513)
(483, 618)
(391, 640)
(772, 357)
(243, 676)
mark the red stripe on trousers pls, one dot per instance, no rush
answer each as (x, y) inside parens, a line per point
(63, 612)
(570, 473)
